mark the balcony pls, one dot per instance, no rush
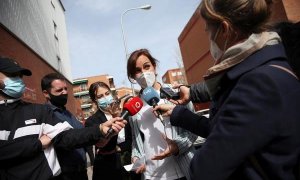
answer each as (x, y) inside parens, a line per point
(86, 101)
(80, 81)
(81, 93)
(85, 106)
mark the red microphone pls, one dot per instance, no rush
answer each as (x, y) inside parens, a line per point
(130, 108)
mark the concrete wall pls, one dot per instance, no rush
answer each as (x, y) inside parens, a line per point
(32, 21)
(11, 47)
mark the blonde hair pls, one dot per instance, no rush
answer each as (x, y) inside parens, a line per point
(245, 16)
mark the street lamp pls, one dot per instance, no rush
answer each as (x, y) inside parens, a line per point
(145, 7)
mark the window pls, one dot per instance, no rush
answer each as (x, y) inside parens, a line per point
(86, 115)
(56, 38)
(56, 43)
(55, 30)
(52, 4)
(179, 73)
(85, 99)
(181, 81)
(83, 87)
(59, 66)
(173, 74)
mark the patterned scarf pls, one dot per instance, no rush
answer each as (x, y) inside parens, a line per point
(235, 55)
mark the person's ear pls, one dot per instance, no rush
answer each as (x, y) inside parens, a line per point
(2, 85)
(225, 29)
(46, 94)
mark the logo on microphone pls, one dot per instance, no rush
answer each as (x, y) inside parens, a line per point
(146, 91)
(137, 105)
(134, 105)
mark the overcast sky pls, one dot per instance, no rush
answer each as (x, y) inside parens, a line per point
(95, 35)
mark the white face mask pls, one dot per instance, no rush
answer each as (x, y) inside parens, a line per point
(146, 79)
(215, 51)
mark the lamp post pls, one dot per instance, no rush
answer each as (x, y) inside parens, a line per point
(145, 7)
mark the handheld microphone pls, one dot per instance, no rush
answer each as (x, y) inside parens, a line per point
(152, 98)
(166, 92)
(130, 108)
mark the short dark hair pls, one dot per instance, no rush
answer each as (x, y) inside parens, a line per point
(49, 78)
(94, 88)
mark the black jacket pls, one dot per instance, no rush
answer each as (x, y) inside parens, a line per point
(99, 118)
(72, 161)
(199, 93)
(108, 165)
(255, 117)
(21, 153)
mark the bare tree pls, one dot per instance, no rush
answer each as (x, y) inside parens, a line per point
(179, 62)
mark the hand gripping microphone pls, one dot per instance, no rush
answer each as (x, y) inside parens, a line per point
(130, 108)
(152, 98)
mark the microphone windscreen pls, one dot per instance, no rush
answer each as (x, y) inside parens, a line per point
(133, 105)
(150, 95)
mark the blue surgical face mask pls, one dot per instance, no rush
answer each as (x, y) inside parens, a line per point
(104, 102)
(13, 87)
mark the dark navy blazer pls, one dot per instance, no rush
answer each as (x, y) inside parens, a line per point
(257, 115)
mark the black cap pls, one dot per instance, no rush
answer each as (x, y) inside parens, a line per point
(11, 66)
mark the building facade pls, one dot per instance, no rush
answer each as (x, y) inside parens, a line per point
(33, 32)
(174, 76)
(41, 26)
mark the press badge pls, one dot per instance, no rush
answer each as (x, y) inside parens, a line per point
(30, 121)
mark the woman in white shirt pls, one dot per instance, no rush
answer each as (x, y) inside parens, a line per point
(167, 150)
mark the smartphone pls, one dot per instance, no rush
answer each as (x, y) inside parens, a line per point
(166, 92)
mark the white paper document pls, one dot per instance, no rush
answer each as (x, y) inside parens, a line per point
(136, 165)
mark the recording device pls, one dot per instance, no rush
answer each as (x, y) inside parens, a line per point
(168, 93)
(130, 108)
(152, 98)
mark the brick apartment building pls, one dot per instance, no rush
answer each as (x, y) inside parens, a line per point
(34, 33)
(174, 76)
(194, 42)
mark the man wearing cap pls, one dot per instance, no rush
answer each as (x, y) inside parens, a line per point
(28, 132)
